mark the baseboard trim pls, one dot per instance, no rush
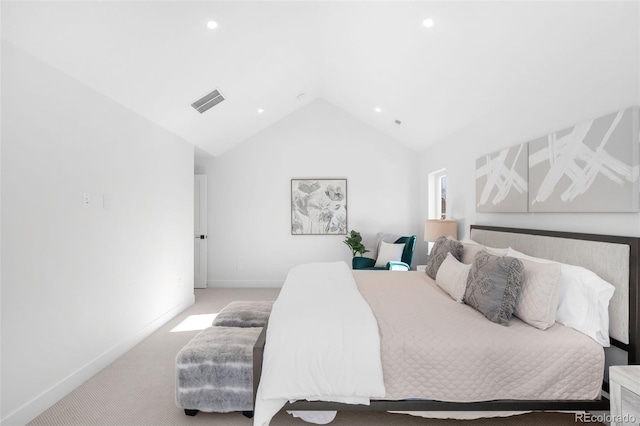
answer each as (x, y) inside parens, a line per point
(245, 283)
(46, 399)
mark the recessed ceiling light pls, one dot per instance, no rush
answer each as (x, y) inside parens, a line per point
(428, 23)
(378, 109)
(212, 25)
(260, 111)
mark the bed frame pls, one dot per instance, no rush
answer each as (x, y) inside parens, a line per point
(632, 348)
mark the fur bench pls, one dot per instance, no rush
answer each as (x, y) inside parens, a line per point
(244, 314)
(214, 371)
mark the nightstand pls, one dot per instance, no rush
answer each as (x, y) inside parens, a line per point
(624, 389)
(421, 268)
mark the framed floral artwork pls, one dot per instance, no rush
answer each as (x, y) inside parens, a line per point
(318, 206)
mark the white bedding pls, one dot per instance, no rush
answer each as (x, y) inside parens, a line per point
(339, 361)
(324, 343)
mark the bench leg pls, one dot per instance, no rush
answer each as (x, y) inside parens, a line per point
(191, 412)
(248, 414)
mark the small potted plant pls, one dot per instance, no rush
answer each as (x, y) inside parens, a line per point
(354, 241)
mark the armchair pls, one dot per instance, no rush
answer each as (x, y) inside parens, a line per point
(404, 264)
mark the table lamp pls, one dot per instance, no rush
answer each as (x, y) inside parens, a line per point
(436, 228)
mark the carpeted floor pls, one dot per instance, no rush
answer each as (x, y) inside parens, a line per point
(138, 388)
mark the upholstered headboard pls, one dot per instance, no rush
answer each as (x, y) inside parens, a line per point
(613, 258)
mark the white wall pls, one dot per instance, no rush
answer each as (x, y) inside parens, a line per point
(250, 195)
(600, 74)
(82, 285)
(595, 84)
(458, 154)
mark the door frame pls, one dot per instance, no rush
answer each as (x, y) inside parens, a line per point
(200, 231)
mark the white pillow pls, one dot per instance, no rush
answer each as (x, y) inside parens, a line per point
(389, 252)
(537, 302)
(452, 277)
(492, 250)
(583, 299)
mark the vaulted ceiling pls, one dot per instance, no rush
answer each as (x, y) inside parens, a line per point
(479, 58)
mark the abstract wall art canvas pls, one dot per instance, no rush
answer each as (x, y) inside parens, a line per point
(318, 206)
(501, 181)
(591, 167)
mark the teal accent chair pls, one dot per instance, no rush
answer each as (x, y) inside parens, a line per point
(360, 262)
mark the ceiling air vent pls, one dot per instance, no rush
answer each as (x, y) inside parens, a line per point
(208, 101)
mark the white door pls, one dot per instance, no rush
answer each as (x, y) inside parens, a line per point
(200, 232)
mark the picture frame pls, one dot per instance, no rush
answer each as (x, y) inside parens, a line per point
(319, 206)
(590, 167)
(502, 181)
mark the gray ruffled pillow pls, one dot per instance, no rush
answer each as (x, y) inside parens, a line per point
(493, 285)
(439, 252)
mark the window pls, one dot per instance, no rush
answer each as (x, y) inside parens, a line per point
(443, 197)
(437, 204)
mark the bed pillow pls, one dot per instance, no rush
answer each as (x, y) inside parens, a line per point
(452, 277)
(439, 252)
(471, 248)
(583, 299)
(469, 252)
(388, 252)
(497, 251)
(493, 286)
(537, 302)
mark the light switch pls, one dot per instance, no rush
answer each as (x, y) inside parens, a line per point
(86, 200)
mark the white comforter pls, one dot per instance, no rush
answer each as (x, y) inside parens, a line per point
(322, 343)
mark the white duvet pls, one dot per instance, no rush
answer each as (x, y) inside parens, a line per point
(322, 343)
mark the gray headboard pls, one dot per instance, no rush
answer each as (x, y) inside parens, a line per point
(613, 258)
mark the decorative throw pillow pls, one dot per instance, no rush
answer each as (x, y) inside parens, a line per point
(537, 302)
(469, 252)
(452, 277)
(439, 252)
(493, 286)
(388, 252)
(583, 299)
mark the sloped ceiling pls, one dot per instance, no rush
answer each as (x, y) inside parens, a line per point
(157, 57)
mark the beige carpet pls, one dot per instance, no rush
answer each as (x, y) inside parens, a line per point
(138, 388)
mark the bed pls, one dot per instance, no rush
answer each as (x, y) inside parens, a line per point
(429, 375)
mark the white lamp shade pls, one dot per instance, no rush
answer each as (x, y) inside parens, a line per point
(436, 228)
